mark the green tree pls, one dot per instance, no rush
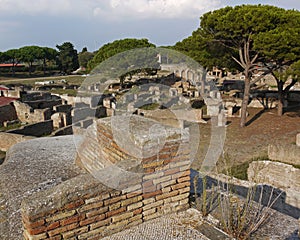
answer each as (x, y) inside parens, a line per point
(206, 52)
(67, 57)
(237, 28)
(288, 75)
(48, 55)
(280, 48)
(13, 57)
(84, 57)
(30, 54)
(110, 49)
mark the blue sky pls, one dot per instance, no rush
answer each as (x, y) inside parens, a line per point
(92, 23)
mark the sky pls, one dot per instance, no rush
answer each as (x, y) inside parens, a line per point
(92, 23)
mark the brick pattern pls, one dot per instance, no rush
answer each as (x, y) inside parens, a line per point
(164, 188)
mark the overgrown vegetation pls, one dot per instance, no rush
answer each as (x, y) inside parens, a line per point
(240, 170)
(239, 216)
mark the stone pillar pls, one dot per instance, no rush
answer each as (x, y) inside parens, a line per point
(298, 140)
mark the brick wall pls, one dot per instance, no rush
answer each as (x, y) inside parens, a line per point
(87, 208)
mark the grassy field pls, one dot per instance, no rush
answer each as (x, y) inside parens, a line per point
(71, 79)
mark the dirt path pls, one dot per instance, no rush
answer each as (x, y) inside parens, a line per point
(243, 144)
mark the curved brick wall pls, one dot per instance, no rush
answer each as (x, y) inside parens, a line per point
(86, 208)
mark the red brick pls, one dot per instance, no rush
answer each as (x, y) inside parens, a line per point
(35, 224)
(134, 194)
(63, 229)
(138, 211)
(36, 231)
(149, 170)
(112, 213)
(53, 225)
(167, 195)
(92, 220)
(151, 194)
(73, 219)
(73, 205)
(96, 212)
(114, 200)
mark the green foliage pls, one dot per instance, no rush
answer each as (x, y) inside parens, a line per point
(150, 106)
(67, 57)
(32, 55)
(205, 51)
(281, 43)
(84, 57)
(239, 171)
(118, 46)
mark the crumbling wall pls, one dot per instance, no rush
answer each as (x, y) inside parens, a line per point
(279, 175)
(27, 114)
(85, 207)
(7, 113)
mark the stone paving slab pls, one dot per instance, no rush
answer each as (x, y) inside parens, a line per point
(177, 226)
(32, 166)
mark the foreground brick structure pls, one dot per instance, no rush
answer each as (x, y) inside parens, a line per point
(152, 185)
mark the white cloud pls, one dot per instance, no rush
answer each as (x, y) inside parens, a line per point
(159, 8)
(110, 9)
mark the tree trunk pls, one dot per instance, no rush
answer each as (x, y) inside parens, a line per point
(44, 66)
(245, 101)
(280, 98)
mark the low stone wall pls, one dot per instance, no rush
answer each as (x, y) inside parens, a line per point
(35, 129)
(279, 175)
(289, 154)
(7, 140)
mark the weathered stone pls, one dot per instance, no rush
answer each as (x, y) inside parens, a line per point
(279, 175)
(286, 153)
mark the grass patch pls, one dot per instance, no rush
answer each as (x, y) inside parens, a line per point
(150, 106)
(71, 80)
(10, 127)
(238, 171)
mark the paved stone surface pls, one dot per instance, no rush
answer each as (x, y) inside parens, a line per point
(181, 226)
(32, 166)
